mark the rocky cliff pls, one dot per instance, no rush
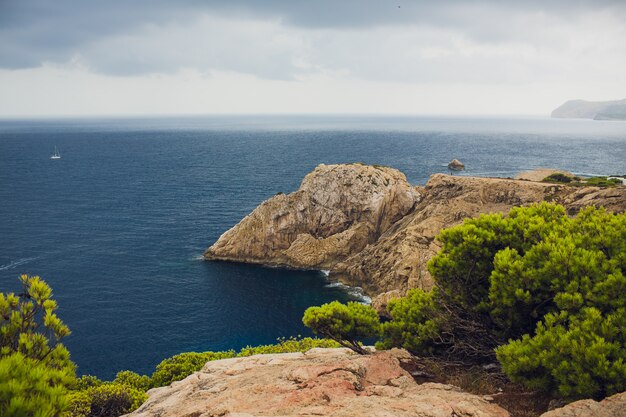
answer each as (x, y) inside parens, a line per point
(321, 382)
(597, 110)
(335, 213)
(373, 230)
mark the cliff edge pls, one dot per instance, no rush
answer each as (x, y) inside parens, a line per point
(372, 229)
(335, 213)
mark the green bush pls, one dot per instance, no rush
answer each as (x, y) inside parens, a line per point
(414, 322)
(134, 380)
(544, 289)
(35, 368)
(106, 400)
(29, 387)
(578, 356)
(181, 366)
(289, 345)
(85, 382)
(602, 182)
(29, 325)
(558, 178)
(344, 323)
(463, 267)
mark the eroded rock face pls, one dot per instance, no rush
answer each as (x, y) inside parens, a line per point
(321, 382)
(373, 230)
(397, 261)
(614, 406)
(335, 213)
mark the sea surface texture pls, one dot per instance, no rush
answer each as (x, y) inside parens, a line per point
(118, 225)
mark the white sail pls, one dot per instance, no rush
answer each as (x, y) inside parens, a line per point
(56, 154)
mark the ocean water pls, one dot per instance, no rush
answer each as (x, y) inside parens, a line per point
(118, 225)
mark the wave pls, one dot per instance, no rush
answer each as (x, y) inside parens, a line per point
(356, 292)
(18, 262)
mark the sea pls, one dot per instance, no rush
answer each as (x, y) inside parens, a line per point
(118, 225)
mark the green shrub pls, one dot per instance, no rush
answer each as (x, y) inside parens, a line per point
(289, 345)
(558, 178)
(462, 269)
(132, 379)
(35, 368)
(84, 382)
(29, 325)
(414, 324)
(344, 323)
(181, 366)
(29, 387)
(544, 289)
(602, 182)
(581, 355)
(79, 404)
(107, 400)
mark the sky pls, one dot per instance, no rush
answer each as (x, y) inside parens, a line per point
(158, 57)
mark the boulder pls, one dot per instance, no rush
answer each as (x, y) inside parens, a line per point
(456, 165)
(335, 213)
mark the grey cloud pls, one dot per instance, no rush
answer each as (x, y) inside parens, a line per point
(35, 31)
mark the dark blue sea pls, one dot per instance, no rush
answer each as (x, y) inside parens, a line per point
(117, 226)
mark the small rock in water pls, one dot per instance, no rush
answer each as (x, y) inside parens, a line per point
(456, 165)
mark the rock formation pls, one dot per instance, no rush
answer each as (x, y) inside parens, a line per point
(320, 382)
(597, 110)
(614, 406)
(373, 230)
(456, 165)
(335, 213)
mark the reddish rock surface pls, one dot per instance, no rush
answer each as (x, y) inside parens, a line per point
(321, 382)
(614, 406)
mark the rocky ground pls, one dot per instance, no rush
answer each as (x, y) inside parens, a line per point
(337, 382)
(321, 382)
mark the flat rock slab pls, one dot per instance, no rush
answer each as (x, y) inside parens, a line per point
(320, 382)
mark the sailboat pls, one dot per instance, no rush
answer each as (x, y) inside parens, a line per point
(56, 154)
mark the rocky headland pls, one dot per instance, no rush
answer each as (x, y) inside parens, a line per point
(597, 110)
(372, 229)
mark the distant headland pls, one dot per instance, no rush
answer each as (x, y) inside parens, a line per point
(596, 110)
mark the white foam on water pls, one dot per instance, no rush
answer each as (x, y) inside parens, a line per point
(356, 292)
(18, 262)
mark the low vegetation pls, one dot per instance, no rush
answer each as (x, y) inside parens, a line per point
(344, 323)
(560, 178)
(37, 377)
(538, 291)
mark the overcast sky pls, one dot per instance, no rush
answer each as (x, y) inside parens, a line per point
(127, 57)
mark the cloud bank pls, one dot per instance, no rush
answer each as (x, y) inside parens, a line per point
(378, 45)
